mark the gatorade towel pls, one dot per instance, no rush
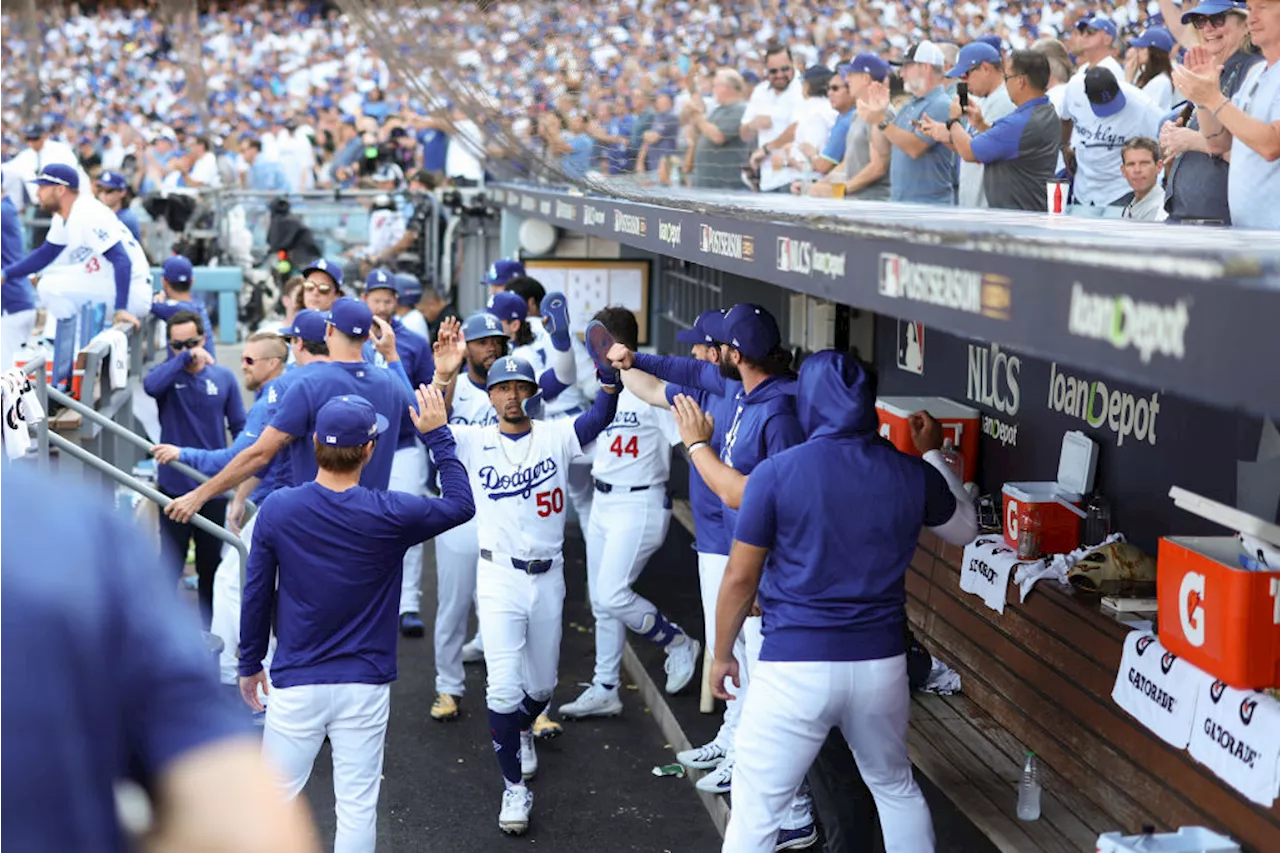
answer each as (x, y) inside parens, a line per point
(1158, 688)
(1236, 734)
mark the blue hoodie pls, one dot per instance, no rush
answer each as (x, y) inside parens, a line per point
(840, 514)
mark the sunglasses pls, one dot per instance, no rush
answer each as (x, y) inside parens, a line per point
(189, 343)
(1216, 20)
(104, 189)
(786, 69)
(251, 361)
(319, 288)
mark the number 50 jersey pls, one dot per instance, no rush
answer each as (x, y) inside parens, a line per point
(519, 486)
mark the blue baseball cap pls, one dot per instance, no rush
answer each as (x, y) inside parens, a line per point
(380, 279)
(307, 325)
(749, 329)
(348, 421)
(1097, 23)
(972, 55)
(59, 175)
(409, 288)
(1154, 37)
(177, 270)
(112, 180)
(867, 63)
(1212, 7)
(333, 269)
(508, 305)
(33, 131)
(502, 271)
(482, 325)
(1103, 91)
(993, 40)
(351, 317)
(704, 330)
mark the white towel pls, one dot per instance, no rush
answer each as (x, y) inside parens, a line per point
(1158, 688)
(942, 680)
(119, 359)
(20, 408)
(1055, 567)
(985, 569)
(1237, 735)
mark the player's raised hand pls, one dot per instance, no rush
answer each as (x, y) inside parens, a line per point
(431, 412)
(620, 357)
(695, 425)
(720, 670)
(450, 349)
(384, 338)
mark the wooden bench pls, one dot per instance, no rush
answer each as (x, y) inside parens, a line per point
(227, 282)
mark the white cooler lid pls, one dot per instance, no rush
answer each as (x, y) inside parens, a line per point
(1227, 516)
(1077, 463)
(940, 407)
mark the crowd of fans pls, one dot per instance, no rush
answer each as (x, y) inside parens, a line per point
(939, 102)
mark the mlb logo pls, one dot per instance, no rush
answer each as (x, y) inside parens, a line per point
(890, 275)
(911, 347)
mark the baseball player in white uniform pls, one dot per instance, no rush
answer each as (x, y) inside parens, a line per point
(89, 255)
(629, 520)
(518, 470)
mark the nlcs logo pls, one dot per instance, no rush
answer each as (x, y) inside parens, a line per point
(1191, 607)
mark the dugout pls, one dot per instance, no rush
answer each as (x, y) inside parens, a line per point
(1157, 343)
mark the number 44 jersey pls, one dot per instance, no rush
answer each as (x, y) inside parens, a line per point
(519, 485)
(635, 450)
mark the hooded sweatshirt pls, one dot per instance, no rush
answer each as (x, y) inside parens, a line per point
(840, 514)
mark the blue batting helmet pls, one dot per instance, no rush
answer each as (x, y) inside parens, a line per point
(482, 325)
(409, 288)
(502, 271)
(509, 368)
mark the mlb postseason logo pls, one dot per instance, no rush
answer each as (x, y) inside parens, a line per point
(528, 202)
(567, 211)
(544, 207)
(669, 233)
(627, 223)
(947, 287)
(592, 216)
(799, 256)
(726, 244)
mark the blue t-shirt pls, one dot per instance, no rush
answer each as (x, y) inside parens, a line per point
(196, 410)
(931, 177)
(105, 674)
(327, 565)
(16, 295)
(317, 384)
(839, 137)
(435, 148)
(577, 162)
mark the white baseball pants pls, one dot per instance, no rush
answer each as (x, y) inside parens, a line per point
(624, 531)
(788, 714)
(15, 330)
(520, 618)
(710, 573)
(457, 553)
(409, 474)
(354, 718)
(225, 621)
(65, 287)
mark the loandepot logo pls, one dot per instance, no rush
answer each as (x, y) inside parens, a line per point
(948, 287)
(669, 232)
(1092, 402)
(1147, 327)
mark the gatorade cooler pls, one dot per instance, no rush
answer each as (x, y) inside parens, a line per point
(1214, 612)
(1188, 839)
(959, 423)
(1058, 501)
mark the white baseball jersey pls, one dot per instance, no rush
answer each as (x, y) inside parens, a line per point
(519, 486)
(471, 404)
(541, 354)
(635, 450)
(90, 229)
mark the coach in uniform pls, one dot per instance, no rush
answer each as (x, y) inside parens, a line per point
(336, 549)
(833, 597)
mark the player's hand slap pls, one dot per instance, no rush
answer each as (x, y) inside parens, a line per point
(695, 425)
(720, 669)
(620, 357)
(249, 690)
(431, 412)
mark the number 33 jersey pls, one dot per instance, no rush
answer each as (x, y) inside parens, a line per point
(519, 485)
(635, 450)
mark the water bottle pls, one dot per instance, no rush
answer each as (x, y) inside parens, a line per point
(1029, 790)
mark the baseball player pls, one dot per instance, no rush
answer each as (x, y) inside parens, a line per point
(499, 273)
(628, 523)
(346, 372)
(322, 284)
(518, 474)
(834, 639)
(409, 466)
(325, 573)
(91, 254)
(176, 277)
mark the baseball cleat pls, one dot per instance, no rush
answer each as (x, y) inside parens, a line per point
(517, 802)
(682, 661)
(444, 708)
(528, 756)
(705, 757)
(545, 728)
(595, 701)
(473, 652)
(411, 625)
(797, 839)
(718, 781)
(555, 313)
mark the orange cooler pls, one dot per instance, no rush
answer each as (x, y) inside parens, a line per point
(1058, 502)
(959, 423)
(1212, 612)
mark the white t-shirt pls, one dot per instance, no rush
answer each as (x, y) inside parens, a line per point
(461, 160)
(471, 404)
(520, 486)
(1159, 90)
(205, 170)
(89, 231)
(1097, 141)
(635, 450)
(783, 108)
(386, 227)
(1110, 63)
(814, 121)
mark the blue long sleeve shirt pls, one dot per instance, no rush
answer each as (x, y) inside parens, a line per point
(196, 409)
(419, 367)
(212, 461)
(16, 294)
(165, 310)
(327, 565)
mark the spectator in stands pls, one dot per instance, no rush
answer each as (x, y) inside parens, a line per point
(719, 151)
(814, 121)
(658, 142)
(1099, 117)
(921, 170)
(1060, 70)
(568, 142)
(112, 189)
(17, 297)
(981, 68)
(106, 678)
(464, 159)
(1095, 44)
(1020, 150)
(41, 151)
(262, 175)
(202, 168)
(770, 117)
(864, 169)
(322, 285)
(1148, 67)
(1141, 165)
(198, 402)
(1196, 181)
(611, 133)
(177, 275)
(1246, 125)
